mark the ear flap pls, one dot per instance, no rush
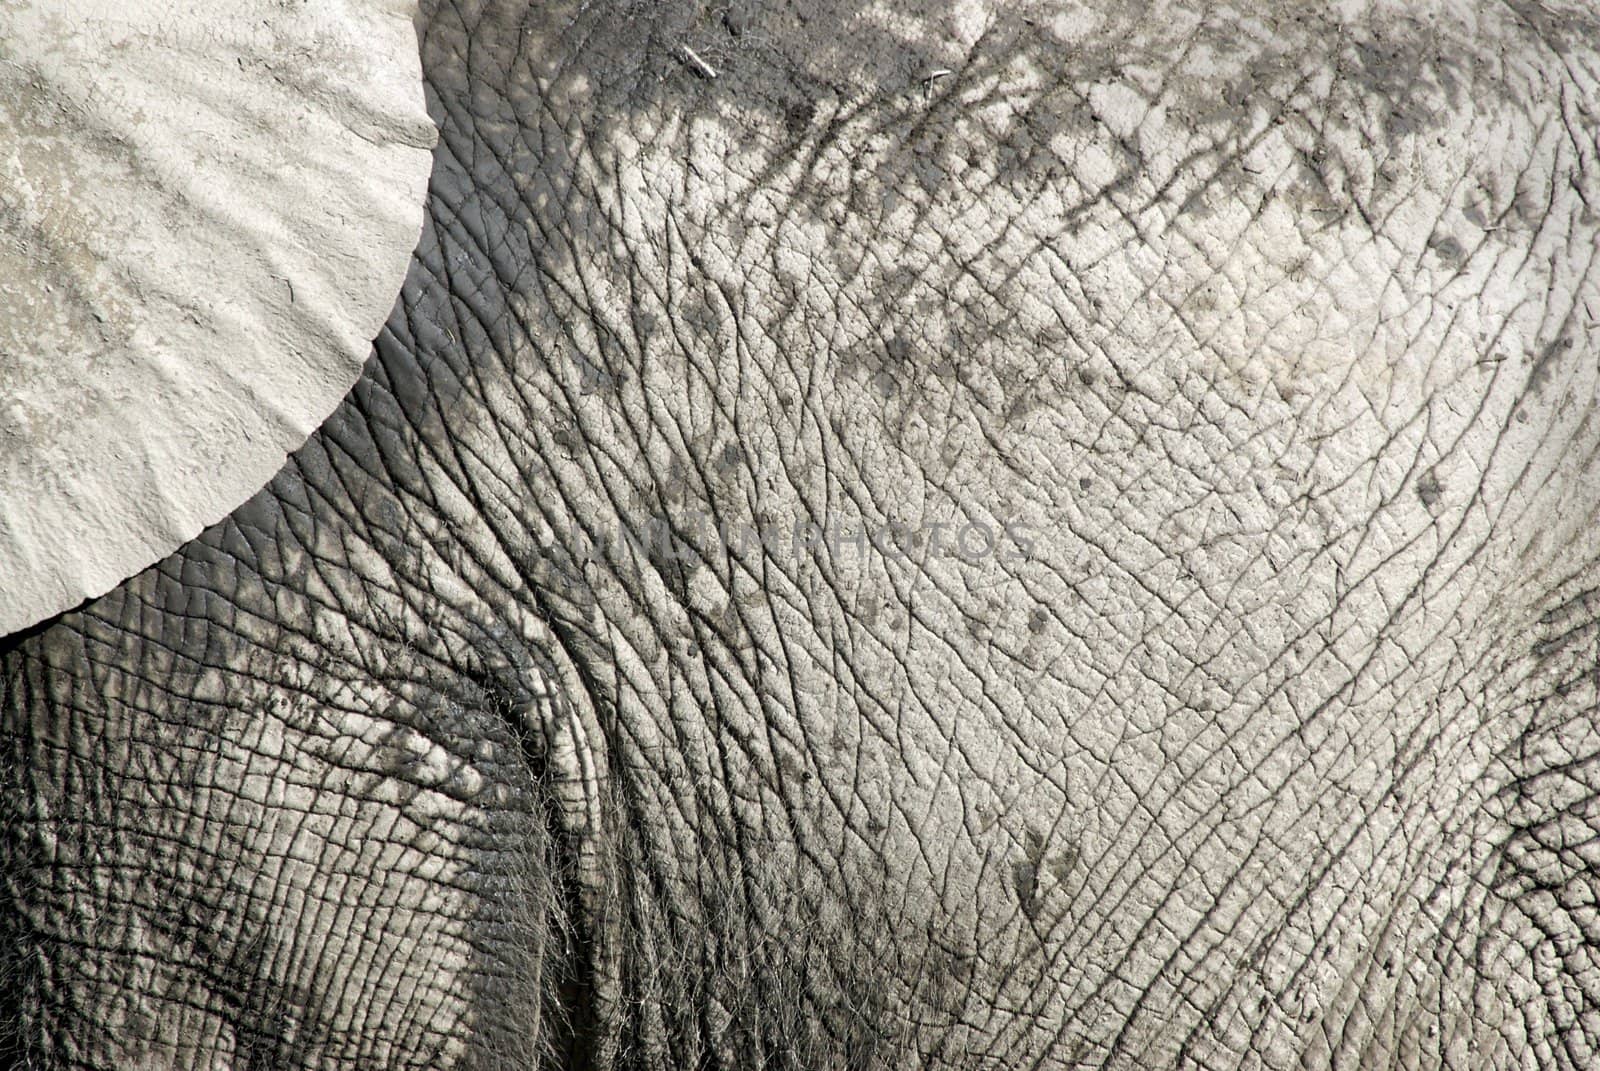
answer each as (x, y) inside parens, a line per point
(204, 221)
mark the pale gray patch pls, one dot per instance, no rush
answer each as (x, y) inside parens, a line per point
(205, 223)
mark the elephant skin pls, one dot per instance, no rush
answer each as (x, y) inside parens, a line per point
(203, 223)
(921, 536)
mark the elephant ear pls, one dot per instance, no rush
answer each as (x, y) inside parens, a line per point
(205, 217)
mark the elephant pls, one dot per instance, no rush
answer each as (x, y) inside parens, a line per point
(937, 535)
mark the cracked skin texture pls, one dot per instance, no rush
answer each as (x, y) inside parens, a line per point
(1276, 749)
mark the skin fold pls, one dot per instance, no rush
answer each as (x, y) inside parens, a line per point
(932, 536)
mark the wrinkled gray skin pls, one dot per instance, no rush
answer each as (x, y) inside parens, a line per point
(1274, 747)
